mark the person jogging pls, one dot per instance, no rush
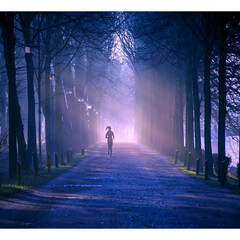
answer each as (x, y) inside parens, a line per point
(110, 137)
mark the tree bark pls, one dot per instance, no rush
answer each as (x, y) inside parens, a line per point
(196, 103)
(7, 22)
(26, 19)
(47, 93)
(189, 107)
(207, 108)
(180, 115)
(58, 109)
(32, 146)
(222, 95)
(3, 102)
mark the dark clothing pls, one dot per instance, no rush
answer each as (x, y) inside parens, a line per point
(110, 144)
(110, 136)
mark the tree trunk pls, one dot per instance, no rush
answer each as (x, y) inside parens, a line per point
(58, 110)
(180, 115)
(25, 19)
(39, 105)
(32, 146)
(47, 93)
(207, 108)
(196, 104)
(3, 102)
(222, 95)
(22, 147)
(189, 108)
(7, 21)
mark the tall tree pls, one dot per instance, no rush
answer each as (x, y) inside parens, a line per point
(7, 23)
(26, 20)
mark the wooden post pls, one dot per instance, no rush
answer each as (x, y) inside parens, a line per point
(56, 160)
(189, 161)
(49, 162)
(206, 169)
(198, 166)
(19, 175)
(176, 156)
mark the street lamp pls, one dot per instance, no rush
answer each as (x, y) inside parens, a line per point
(29, 46)
(68, 91)
(89, 107)
(80, 99)
(52, 76)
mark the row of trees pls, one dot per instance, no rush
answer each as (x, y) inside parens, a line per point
(186, 68)
(56, 63)
(188, 81)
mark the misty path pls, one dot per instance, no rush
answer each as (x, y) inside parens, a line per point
(136, 188)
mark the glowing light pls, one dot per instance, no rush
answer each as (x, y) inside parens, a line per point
(52, 77)
(89, 106)
(27, 49)
(68, 91)
(96, 112)
(80, 99)
(29, 46)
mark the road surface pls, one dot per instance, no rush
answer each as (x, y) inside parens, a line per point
(136, 188)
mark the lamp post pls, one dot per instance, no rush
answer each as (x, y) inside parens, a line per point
(80, 99)
(52, 77)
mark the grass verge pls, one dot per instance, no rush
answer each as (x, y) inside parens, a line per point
(8, 187)
(232, 182)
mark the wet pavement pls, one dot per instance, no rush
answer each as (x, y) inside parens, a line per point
(136, 188)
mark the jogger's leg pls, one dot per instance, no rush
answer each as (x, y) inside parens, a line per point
(111, 148)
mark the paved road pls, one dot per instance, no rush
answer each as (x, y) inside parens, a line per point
(136, 188)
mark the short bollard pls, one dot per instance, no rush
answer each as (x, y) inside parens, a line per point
(19, 175)
(68, 156)
(198, 166)
(82, 150)
(35, 164)
(62, 160)
(56, 160)
(189, 160)
(176, 156)
(206, 169)
(49, 162)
